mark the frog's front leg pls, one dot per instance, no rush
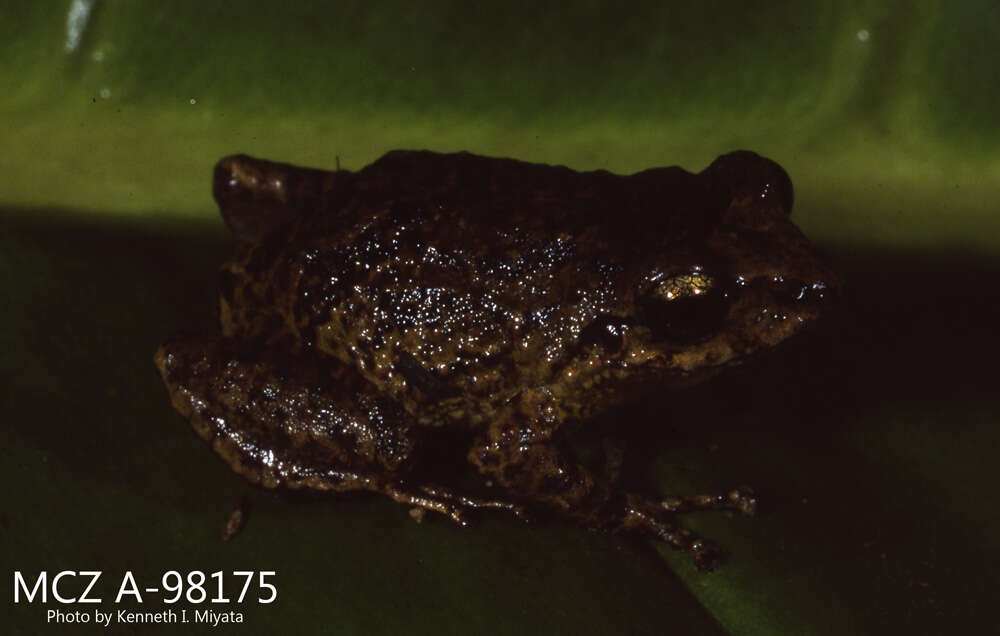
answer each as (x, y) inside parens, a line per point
(527, 460)
(281, 419)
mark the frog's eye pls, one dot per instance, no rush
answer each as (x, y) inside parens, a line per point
(606, 332)
(685, 307)
(695, 283)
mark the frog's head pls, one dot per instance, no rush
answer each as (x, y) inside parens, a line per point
(743, 280)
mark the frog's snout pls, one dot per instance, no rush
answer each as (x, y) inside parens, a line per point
(807, 296)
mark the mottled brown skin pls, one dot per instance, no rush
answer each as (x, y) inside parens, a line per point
(506, 302)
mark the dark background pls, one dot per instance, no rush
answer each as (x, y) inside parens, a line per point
(871, 440)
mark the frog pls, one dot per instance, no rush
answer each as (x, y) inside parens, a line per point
(440, 328)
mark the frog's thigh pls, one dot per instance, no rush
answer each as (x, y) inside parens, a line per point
(285, 420)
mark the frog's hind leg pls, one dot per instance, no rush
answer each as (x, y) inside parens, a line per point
(285, 420)
(301, 423)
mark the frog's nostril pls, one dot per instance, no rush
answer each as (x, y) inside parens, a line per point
(803, 293)
(820, 293)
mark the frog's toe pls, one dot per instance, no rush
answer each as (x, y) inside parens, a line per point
(476, 503)
(740, 499)
(707, 556)
(429, 499)
(653, 518)
(744, 500)
(453, 505)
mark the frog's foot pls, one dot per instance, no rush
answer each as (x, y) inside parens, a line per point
(647, 516)
(656, 517)
(740, 499)
(450, 504)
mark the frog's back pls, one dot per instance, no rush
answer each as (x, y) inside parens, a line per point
(450, 272)
(507, 194)
(500, 218)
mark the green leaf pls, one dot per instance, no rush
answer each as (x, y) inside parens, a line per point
(870, 441)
